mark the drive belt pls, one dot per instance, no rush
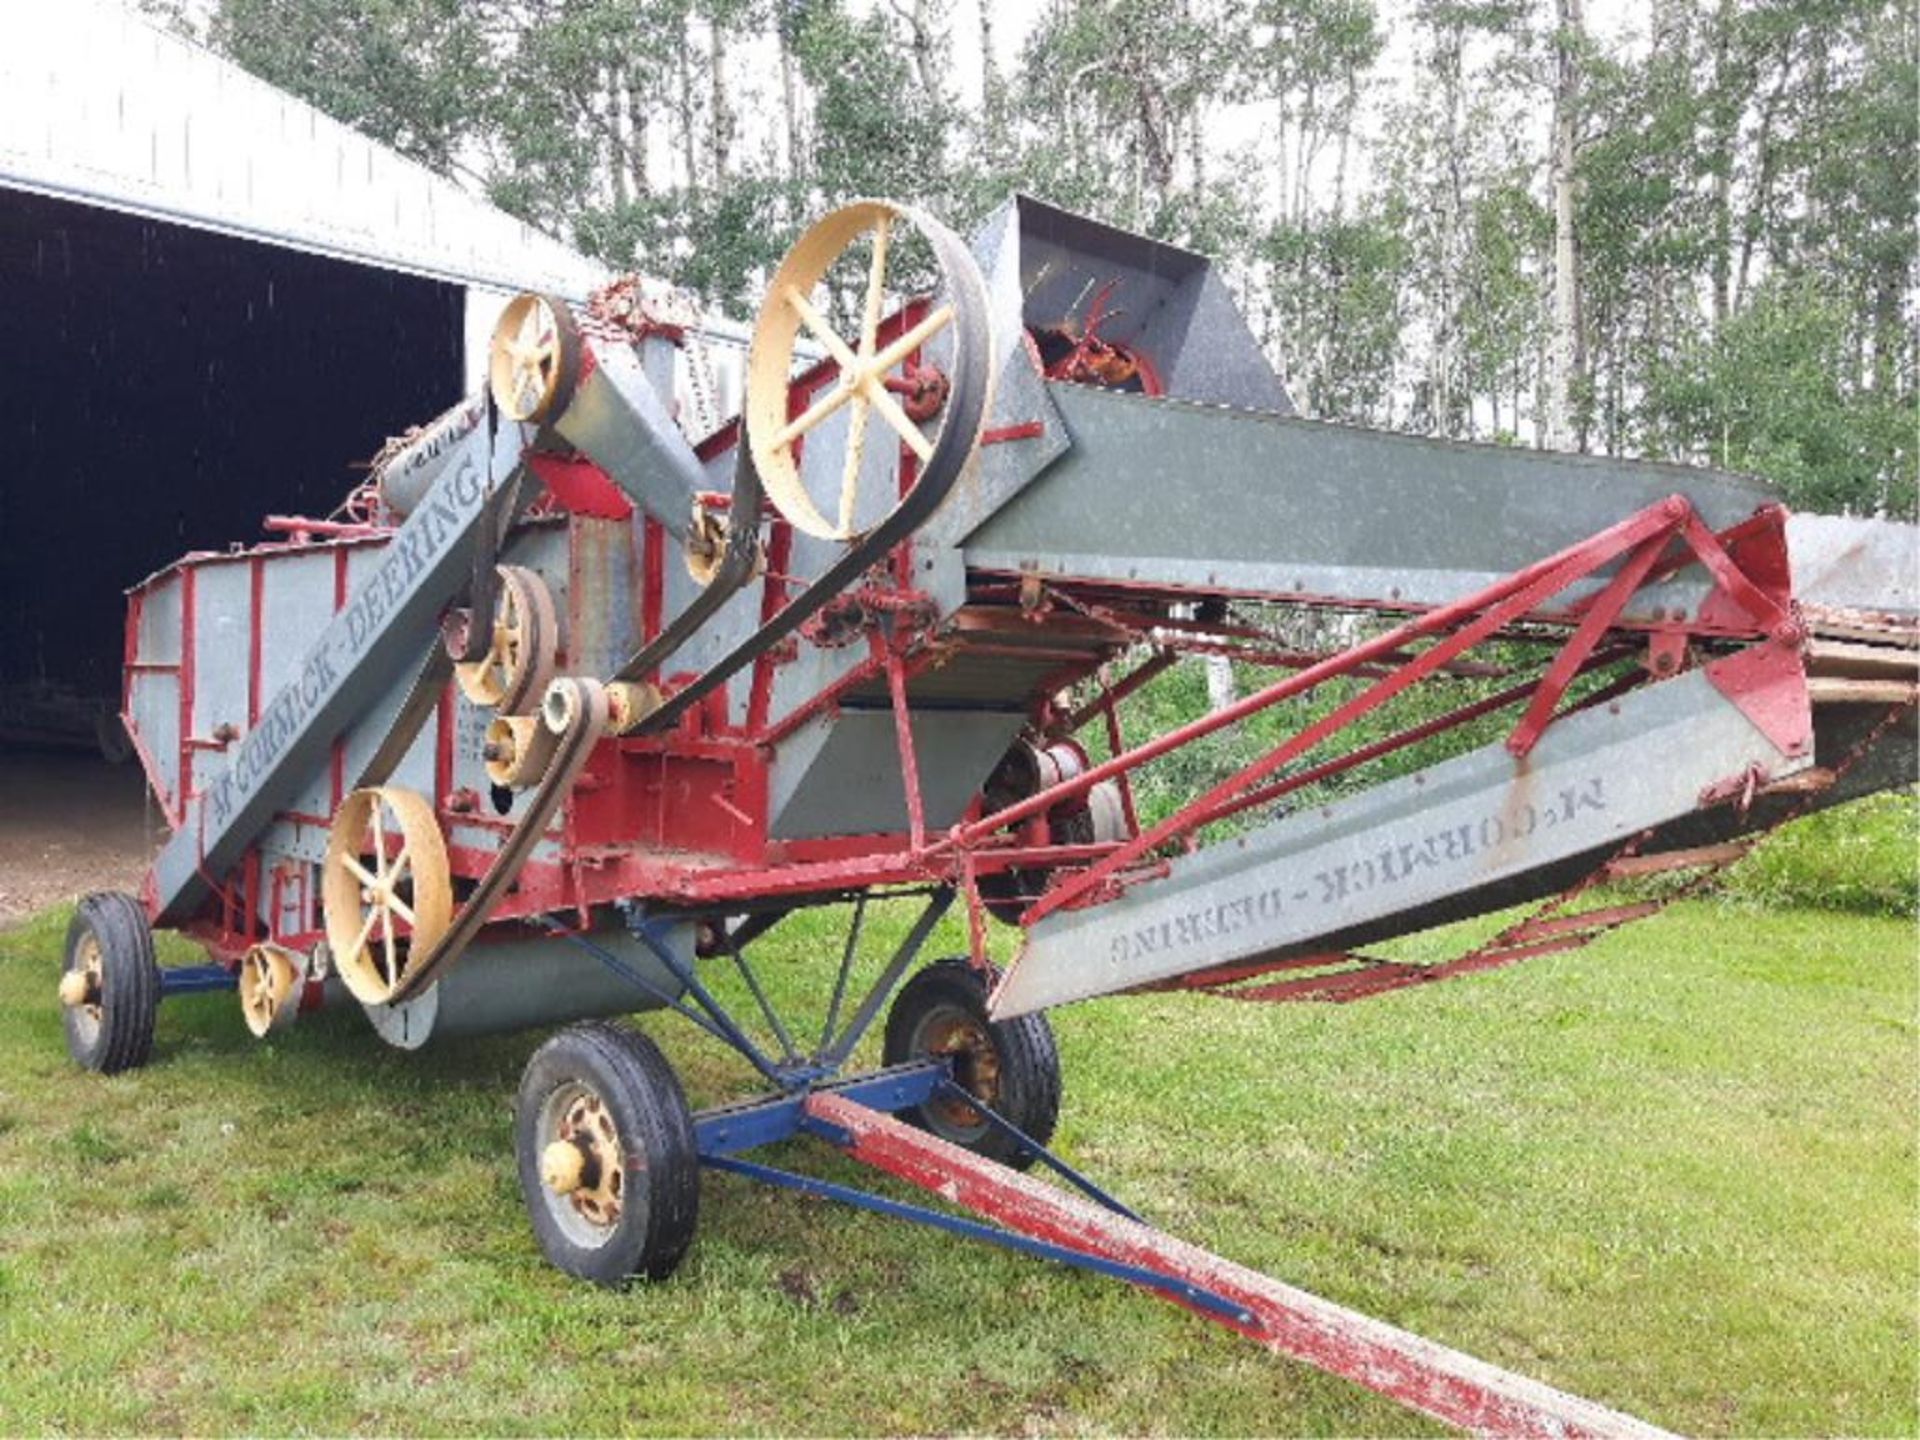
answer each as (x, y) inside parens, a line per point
(584, 722)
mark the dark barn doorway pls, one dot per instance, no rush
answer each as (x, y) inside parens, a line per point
(166, 388)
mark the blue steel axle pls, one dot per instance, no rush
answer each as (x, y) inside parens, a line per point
(722, 1134)
(195, 979)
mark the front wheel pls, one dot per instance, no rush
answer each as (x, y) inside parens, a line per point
(608, 1164)
(1011, 1066)
(110, 984)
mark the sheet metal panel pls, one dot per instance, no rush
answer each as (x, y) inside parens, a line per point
(1597, 777)
(1206, 498)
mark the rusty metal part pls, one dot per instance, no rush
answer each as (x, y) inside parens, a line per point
(629, 702)
(588, 1130)
(583, 1163)
(964, 1041)
(533, 361)
(270, 981)
(923, 389)
(1861, 659)
(1844, 690)
(403, 899)
(519, 660)
(706, 544)
(635, 308)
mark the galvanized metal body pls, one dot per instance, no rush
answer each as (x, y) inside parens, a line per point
(753, 710)
(256, 711)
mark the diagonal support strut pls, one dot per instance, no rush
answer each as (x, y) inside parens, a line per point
(1424, 1376)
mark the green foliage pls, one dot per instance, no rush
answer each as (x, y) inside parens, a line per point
(878, 131)
(1863, 858)
(1339, 299)
(1744, 196)
(1768, 394)
(404, 71)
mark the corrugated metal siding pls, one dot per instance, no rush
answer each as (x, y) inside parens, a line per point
(98, 105)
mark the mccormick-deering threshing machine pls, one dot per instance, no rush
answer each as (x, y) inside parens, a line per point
(568, 708)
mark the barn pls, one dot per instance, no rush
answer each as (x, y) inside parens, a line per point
(218, 304)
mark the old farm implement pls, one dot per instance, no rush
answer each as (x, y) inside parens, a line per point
(568, 709)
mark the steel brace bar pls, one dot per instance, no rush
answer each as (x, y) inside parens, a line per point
(1420, 1374)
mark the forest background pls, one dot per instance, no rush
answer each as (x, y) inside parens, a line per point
(1674, 229)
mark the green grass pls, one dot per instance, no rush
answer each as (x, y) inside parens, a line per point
(1675, 1172)
(1863, 857)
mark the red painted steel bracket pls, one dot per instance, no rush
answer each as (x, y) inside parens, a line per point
(1420, 1374)
(579, 486)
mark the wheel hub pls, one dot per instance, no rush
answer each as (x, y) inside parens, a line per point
(965, 1044)
(80, 987)
(586, 1163)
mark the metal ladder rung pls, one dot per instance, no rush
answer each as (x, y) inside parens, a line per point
(1842, 690)
(1700, 858)
(1855, 658)
(1585, 920)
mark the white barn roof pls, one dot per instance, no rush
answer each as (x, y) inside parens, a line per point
(100, 106)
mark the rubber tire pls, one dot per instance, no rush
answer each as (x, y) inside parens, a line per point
(129, 984)
(650, 1111)
(1029, 1095)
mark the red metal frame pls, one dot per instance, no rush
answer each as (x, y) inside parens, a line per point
(685, 816)
(1449, 1386)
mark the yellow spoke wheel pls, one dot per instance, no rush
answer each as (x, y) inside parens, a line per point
(861, 388)
(269, 985)
(515, 671)
(386, 889)
(534, 359)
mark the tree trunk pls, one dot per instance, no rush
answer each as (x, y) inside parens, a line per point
(1565, 349)
(720, 137)
(789, 101)
(1726, 120)
(616, 139)
(992, 96)
(689, 145)
(1221, 691)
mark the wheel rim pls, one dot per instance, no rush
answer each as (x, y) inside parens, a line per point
(84, 1012)
(527, 361)
(387, 893)
(589, 1206)
(860, 388)
(951, 1033)
(268, 989)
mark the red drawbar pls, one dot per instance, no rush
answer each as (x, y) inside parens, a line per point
(1446, 1384)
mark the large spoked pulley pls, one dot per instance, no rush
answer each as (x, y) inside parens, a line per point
(110, 984)
(386, 889)
(1010, 1066)
(607, 1160)
(948, 390)
(513, 674)
(534, 359)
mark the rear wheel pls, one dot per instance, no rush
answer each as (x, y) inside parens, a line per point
(110, 984)
(1012, 1066)
(608, 1165)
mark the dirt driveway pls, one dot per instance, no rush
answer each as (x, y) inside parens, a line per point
(70, 823)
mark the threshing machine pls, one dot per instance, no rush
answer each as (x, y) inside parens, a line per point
(568, 708)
